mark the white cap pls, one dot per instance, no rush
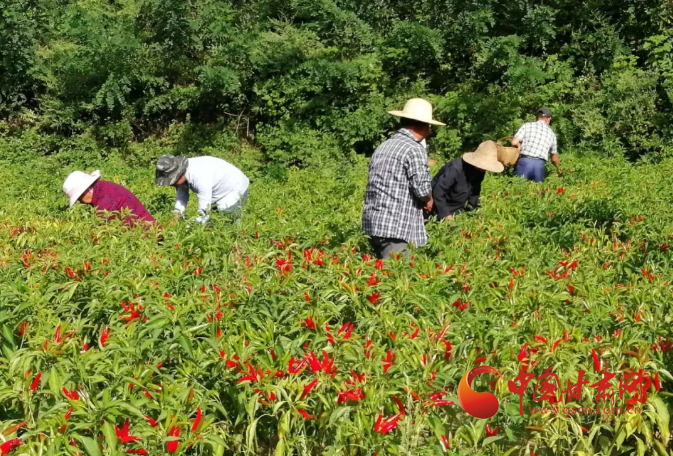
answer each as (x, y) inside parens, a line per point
(77, 183)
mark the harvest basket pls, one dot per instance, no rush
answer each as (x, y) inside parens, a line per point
(507, 155)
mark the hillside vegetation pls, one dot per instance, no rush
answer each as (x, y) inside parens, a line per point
(311, 81)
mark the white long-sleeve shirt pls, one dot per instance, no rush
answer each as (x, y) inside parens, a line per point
(211, 179)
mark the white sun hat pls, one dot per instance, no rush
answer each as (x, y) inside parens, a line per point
(77, 183)
(417, 109)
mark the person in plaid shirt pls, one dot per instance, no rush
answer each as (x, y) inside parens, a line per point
(538, 143)
(399, 186)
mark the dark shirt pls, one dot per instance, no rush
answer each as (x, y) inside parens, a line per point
(111, 197)
(454, 185)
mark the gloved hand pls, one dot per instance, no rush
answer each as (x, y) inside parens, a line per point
(202, 219)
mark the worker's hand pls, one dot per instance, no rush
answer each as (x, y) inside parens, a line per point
(202, 219)
(429, 204)
(449, 218)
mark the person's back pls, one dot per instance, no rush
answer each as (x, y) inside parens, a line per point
(223, 177)
(538, 145)
(114, 198)
(391, 208)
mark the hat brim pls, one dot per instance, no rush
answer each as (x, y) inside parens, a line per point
(492, 166)
(165, 181)
(76, 196)
(407, 116)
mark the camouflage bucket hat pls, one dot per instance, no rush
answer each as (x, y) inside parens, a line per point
(169, 169)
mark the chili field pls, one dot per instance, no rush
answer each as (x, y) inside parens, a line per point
(282, 335)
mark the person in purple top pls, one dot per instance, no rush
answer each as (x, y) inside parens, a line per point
(106, 197)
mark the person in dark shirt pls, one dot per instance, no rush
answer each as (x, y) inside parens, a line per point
(106, 197)
(459, 181)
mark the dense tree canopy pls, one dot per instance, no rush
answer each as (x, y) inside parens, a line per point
(309, 80)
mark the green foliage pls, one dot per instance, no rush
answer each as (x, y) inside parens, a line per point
(210, 305)
(123, 72)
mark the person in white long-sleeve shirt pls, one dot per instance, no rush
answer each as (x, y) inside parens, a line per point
(214, 181)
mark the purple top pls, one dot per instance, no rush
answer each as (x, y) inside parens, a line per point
(111, 197)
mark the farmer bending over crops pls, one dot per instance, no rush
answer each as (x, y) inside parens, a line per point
(459, 181)
(214, 181)
(105, 197)
(399, 184)
(538, 142)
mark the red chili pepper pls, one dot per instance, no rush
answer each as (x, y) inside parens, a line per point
(72, 395)
(480, 360)
(403, 411)
(9, 445)
(415, 334)
(104, 335)
(68, 413)
(348, 332)
(123, 433)
(387, 425)
(511, 284)
(443, 332)
(445, 443)
(442, 403)
(197, 420)
(172, 446)
(309, 323)
(387, 361)
(438, 395)
(490, 431)
(657, 383)
(36, 381)
(306, 415)
(566, 336)
(597, 361)
(294, 365)
(308, 388)
(540, 339)
(555, 345)
(523, 354)
(151, 421)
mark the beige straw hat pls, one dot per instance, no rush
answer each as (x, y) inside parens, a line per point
(417, 109)
(485, 158)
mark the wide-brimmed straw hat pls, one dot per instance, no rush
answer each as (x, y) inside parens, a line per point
(169, 169)
(485, 158)
(417, 109)
(77, 183)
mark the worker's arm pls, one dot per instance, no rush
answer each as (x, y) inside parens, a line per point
(475, 197)
(181, 200)
(519, 136)
(204, 194)
(418, 174)
(516, 142)
(556, 161)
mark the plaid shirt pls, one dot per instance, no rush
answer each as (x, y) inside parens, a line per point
(399, 179)
(538, 140)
